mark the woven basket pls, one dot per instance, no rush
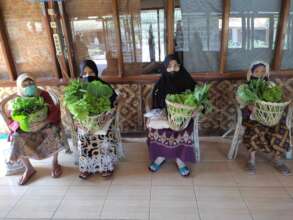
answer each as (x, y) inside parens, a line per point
(179, 115)
(95, 123)
(269, 113)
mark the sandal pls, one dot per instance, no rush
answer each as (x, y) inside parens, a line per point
(57, 171)
(154, 167)
(84, 175)
(25, 178)
(107, 173)
(282, 168)
(251, 168)
(184, 171)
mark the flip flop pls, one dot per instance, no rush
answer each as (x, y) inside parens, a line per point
(84, 175)
(23, 180)
(184, 171)
(57, 171)
(251, 168)
(154, 167)
(107, 174)
(283, 169)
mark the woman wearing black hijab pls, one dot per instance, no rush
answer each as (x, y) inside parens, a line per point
(166, 143)
(98, 153)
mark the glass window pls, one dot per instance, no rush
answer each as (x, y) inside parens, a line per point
(287, 61)
(143, 34)
(93, 33)
(27, 37)
(3, 69)
(197, 34)
(252, 32)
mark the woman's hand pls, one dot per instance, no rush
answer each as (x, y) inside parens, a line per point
(38, 125)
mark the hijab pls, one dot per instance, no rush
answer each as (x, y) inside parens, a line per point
(168, 83)
(256, 64)
(92, 65)
(20, 79)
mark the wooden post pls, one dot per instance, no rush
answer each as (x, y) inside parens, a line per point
(115, 10)
(225, 35)
(6, 51)
(170, 26)
(67, 37)
(285, 10)
(46, 22)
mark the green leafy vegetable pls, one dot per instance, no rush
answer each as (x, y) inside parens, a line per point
(23, 109)
(259, 90)
(197, 98)
(87, 99)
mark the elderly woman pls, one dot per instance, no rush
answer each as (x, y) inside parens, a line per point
(45, 141)
(98, 153)
(260, 138)
(166, 143)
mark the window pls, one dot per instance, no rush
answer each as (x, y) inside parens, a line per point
(93, 33)
(252, 32)
(197, 34)
(27, 38)
(287, 61)
(143, 34)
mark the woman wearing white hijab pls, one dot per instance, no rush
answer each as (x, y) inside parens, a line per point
(45, 141)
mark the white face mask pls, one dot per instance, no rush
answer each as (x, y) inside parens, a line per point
(173, 69)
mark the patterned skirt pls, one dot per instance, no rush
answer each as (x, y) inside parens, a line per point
(171, 144)
(98, 153)
(258, 137)
(37, 145)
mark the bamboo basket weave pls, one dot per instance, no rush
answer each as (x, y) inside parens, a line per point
(269, 113)
(178, 115)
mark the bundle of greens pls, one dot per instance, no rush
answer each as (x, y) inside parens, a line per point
(26, 110)
(259, 90)
(87, 99)
(198, 98)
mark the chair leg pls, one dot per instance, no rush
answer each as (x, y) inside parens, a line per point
(234, 145)
(289, 154)
(196, 140)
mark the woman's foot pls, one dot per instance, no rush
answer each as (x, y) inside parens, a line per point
(84, 175)
(107, 173)
(251, 168)
(281, 167)
(182, 168)
(57, 171)
(156, 165)
(27, 175)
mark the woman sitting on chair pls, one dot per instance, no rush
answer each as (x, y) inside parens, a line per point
(166, 143)
(45, 141)
(98, 153)
(258, 137)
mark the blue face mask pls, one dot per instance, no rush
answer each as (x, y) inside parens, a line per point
(30, 90)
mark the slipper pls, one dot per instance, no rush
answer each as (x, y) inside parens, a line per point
(84, 175)
(154, 167)
(23, 180)
(251, 168)
(107, 173)
(57, 171)
(184, 171)
(282, 168)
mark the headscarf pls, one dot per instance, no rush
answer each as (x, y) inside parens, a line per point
(171, 84)
(256, 64)
(20, 79)
(92, 65)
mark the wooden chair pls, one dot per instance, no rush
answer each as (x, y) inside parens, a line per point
(148, 107)
(239, 131)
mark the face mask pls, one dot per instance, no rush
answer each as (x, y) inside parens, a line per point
(89, 78)
(30, 90)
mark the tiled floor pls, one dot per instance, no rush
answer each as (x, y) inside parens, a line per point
(217, 190)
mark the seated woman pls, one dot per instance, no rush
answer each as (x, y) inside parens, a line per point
(45, 142)
(166, 143)
(260, 138)
(98, 153)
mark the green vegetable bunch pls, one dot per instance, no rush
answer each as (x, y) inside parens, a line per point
(259, 90)
(87, 99)
(24, 109)
(197, 98)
